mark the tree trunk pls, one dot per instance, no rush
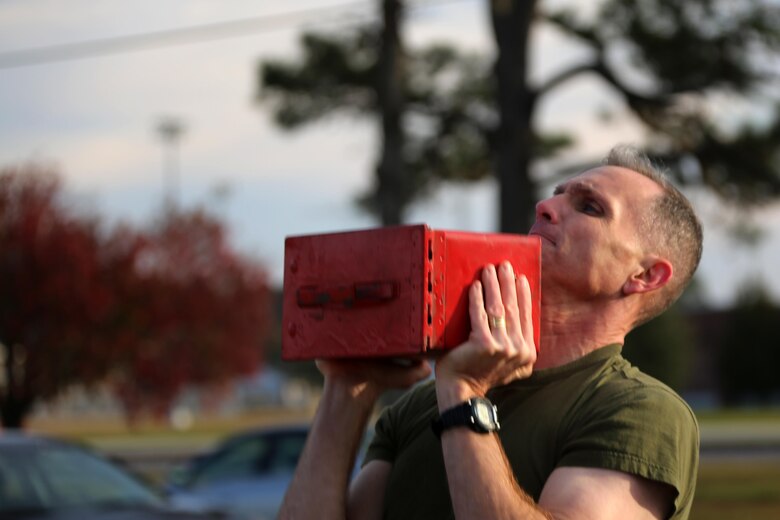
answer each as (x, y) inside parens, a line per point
(13, 409)
(517, 194)
(391, 185)
(13, 413)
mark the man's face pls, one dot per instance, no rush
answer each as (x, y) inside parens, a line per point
(589, 230)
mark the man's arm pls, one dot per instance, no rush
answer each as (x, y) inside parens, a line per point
(481, 481)
(573, 493)
(319, 486)
(482, 486)
(367, 492)
(480, 478)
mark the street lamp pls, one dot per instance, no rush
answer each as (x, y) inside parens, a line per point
(170, 130)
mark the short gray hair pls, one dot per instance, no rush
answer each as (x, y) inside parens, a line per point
(669, 226)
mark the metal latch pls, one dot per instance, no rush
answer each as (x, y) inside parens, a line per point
(360, 294)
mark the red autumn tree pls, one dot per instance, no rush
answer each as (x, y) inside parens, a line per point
(147, 311)
(53, 298)
(193, 311)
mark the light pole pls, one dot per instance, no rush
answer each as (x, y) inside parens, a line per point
(170, 130)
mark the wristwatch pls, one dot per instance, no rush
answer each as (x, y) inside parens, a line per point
(477, 413)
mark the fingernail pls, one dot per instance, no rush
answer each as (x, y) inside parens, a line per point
(507, 266)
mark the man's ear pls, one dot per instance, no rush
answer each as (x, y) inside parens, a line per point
(655, 274)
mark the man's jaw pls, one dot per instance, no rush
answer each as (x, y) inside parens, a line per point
(541, 234)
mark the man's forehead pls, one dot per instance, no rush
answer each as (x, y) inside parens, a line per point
(608, 180)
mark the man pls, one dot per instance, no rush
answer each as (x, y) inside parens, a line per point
(583, 434)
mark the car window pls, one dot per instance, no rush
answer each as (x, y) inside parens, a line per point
(287, 450)
(77, 479)
(55, 476)
(239, 459)
(16, 490)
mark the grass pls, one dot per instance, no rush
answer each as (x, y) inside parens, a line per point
(113, 433)
(739, 415)
(738, 491)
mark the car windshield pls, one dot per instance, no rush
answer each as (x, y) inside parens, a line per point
(56, 476)
(265, 454)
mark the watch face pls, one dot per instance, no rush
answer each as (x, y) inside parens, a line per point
(484, 414)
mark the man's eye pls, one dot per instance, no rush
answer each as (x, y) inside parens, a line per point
(590, 208)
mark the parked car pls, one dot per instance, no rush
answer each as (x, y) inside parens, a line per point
(244, 478)
(43, 478)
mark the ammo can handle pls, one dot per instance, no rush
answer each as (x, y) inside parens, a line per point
(360, 294)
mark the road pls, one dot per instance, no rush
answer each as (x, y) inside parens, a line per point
(740, 441)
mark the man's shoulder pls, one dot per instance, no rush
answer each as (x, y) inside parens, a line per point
(631, 422)
(625, 386)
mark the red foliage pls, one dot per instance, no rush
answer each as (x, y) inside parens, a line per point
(52, 295)
(151, 311)
(197, 312)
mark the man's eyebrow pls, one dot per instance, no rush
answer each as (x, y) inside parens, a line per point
(575, 186)
(579, 188)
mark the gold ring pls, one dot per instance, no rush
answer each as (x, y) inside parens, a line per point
(496, 321)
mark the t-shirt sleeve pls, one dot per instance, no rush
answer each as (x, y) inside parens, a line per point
(647, 431)
(382, 446)
(401, 422)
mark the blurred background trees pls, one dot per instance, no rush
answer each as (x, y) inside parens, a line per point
(432, 105)
(140, 303)
(748, 356)
(192, 311)
(448, 116)
(54, 299)
(145, 310)
(663, 347)
(445, 115)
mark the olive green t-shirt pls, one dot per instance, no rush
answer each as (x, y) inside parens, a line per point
(598, 411)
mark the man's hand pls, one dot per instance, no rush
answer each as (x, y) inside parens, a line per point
(493, 355)
(365, 380)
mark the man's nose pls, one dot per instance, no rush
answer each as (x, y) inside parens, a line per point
(545, 210)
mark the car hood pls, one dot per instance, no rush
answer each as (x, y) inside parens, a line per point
(125, 513)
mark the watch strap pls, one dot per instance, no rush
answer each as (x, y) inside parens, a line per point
(459, 415)
(466, 414)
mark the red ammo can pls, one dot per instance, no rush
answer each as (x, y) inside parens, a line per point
(391, 292)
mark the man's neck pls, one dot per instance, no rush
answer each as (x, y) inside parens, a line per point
(569, 332)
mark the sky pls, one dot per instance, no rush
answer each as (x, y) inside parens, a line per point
(96, 120)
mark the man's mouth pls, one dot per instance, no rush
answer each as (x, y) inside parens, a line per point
(539, 234)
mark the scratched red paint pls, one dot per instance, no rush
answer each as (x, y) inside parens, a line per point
(391, 292)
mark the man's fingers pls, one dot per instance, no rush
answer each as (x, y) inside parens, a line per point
(494, 304)
(477, 312)
(493, 355)
(525, 308)
(404, 375)
(506, 279)
(382, 373)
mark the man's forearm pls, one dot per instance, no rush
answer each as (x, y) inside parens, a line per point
(480, 478)
(500, 349)
(319, 487)
(481, 481)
